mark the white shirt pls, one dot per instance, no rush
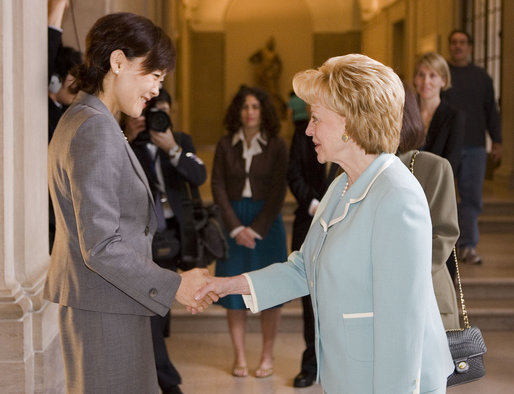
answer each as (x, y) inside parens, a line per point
(168, 212)
(248, 154)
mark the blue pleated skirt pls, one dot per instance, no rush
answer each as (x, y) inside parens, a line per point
(271, 249)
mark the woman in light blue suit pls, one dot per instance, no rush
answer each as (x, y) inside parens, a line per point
(366, 259)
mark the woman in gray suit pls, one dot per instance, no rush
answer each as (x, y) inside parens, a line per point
(366, 259)
(101, 272)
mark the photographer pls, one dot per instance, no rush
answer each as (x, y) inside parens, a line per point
(169, 161)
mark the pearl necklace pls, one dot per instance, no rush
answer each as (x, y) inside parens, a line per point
(123, 134)
(345, 189)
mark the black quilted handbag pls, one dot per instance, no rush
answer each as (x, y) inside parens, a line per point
(467, 346)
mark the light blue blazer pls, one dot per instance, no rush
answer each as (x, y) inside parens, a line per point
(366, 263)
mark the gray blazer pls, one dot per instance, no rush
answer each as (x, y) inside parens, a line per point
(105, 219)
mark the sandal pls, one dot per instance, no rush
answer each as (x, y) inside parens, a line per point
(263, 372)
(240, 371)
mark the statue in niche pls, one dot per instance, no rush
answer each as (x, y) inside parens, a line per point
(268, 68)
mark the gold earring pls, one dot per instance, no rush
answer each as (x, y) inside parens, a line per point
(345, 137)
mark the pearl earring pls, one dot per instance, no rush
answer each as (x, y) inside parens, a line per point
(116, 71)
(345, 137)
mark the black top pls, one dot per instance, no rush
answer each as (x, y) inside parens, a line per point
(446, 133)
(472, 91)
(307, 180)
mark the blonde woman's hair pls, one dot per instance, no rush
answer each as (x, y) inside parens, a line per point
(437, 63)
(368, 94)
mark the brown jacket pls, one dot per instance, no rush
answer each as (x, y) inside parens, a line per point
(267, 181)
(434, 173)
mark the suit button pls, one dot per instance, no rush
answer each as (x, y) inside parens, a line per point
(147, 230)
(153, 292)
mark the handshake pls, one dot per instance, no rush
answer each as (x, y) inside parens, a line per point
(198, 289)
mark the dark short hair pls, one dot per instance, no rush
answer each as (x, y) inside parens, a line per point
(135, 35)
(270, 125)
(67, 58)
(412, 135)
(455, 31)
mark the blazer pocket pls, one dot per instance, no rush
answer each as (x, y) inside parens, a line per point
(358, 335)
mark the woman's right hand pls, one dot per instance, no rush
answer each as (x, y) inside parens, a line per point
(246, 238)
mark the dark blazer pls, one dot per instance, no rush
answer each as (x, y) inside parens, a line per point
(307, 181)
(54, 44)
(105, 218)
(445, 134)
(54, 111)
(188, 169)
(267, 180)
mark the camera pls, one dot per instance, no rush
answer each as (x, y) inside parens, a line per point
(155, 120)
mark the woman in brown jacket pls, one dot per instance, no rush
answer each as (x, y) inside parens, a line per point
(249, 186)
(435, 175)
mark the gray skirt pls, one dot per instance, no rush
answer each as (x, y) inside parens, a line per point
(106, 352)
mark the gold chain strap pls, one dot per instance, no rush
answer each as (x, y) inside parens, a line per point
(411, 165)
(461, 294)
(463, 305)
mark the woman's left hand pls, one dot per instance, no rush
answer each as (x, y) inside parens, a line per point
(246, 238)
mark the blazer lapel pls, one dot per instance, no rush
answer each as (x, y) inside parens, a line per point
(139, 171)
(356, 193)
(333, 203)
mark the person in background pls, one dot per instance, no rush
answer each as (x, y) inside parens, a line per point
(366, 258)
(173, 162)
(308, 180)
(59, 94)
(444, 125)
(249, 186)
(60, 61)
(101, 271)
(56, 9)
(298, 112)
(435, 175)
(472, 91)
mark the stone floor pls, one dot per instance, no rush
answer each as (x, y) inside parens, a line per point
(205, 360)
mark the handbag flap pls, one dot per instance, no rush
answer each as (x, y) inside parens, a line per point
(466, 343)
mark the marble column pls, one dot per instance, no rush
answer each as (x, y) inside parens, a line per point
(30, 358)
